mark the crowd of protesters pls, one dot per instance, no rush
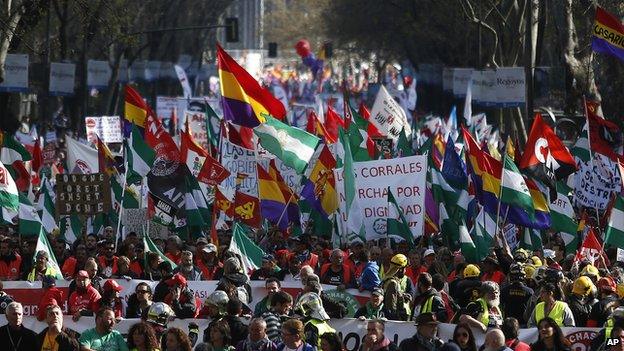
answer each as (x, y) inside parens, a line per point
(498, 296)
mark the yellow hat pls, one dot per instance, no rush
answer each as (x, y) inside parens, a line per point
(537, 262)
(620, 290)
(399, 260)
(582, 286)
(529, 270)
(590, 270)
(471, 271)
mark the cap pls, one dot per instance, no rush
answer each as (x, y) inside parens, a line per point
(112, 285)
(490, 259)
(378, 292)
(177, 279)
(429, 252)
(42, 253)
(268, 257)
(201, 240)
(548, 253)
(607, 284)
(82, 274)
(426, 318)
(210, 248)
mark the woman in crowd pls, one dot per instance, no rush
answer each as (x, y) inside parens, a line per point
(139, 302)
(464, 338)
(141, 337)
(550, 337)
(177, 340)
(331, 342)
(110, 297)
(220, 336)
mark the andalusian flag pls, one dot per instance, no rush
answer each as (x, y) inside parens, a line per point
(44, 245)
(483, 232)
(71, 227)
(12, 150)
(9, 198)
(29, 221)
(48, 210)
(199, 198)
(355, 221)
(614, 234)
(249, 253)
(149, 246)
(581, 148)
(139, 155)
(467, 245)
(514, 190)
(563, 218)
(396, 225)
(531, 240)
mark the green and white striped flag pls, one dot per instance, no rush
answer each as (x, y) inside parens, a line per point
(44, 245)
(514, 190)
(456, 200)
(149, 246)
(483, 232)
(193, 215)
(47, 208)
(293, 146)
(396, 225)
(249, 253)
(614, 234)
(139, 155)
(563, 218)
(71, 227)
(467, 245)
(200, 199)
(580, 149)
(531, 240)
(9, 197)
(12, 150)
(355, 221)
(29, 221)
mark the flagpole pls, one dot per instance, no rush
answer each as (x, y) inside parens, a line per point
(123, 193)
(591, 154)
(500, 192)
(292, 194)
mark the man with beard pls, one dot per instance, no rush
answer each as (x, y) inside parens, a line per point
(54, 336)
(268, 270)
(208, 262)
(10, 261)
(14, 336)
(83, 301)
(91, 244)
(485, 313)
(103, 337)
(75, 263)
(180, 297)
(272, 286)
(187, 268)
(174, 249)
(108, 261)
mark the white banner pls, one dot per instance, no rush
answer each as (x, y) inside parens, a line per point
(108, 128)
(447, 79)
(237, 159)
(477, 79)
(406, 178)
(594, 182)
(388, 116)
(510, 86)
(165, 106)
(186, 87)
(197, 125)
(152, 71)
(62, 79)
(98, 74)
(15, 73)
(167, 71)
(461, 77)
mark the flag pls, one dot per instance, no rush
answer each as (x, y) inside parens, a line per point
(199, 162)
(293, 146)
(136, 111)
(139, 156)
(467, 245)
(355, 221)
(247, 210)
(362, 146)
(514, 190)
(48, 210)
(591, 249)
(468, 104)
(44, 245)
(80, 157)
(484, 230)
(608, 34)
(396, 225)
(563, 218)
(37, 157)
(317, 128)
(531, 240)
(213, 127)
(319, 189)
(614, 233)
(157, 138)
(545, 158)
(603, 134)
(70, 228)
(388, 116)
(192, 215)
(333, 122)
(453, 167)
(580, 149)
(277, 202)
(373, 132)
(244, 101)
(222, 203)
(106, 160)
(404, 147)
(149, 246)
(29, 221)
(248, 252)
(9, 196)
(13, 155)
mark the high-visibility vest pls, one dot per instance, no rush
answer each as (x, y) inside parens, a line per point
(556, 313)
(608, 328)
(322, 328)
(485, 315)
(426, 307)
(32, 275)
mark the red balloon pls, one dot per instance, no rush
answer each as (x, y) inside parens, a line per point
(303, 48)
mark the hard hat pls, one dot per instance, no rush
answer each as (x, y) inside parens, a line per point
(521, 255)
(539, 274)
(471, 271)
(219, 299)
(552, 275)
(582, 286)
(516, 271)
(159, 314)
(399, 260)
(529, 270)
(618, 313)
(310, 305)
(607, 284)
(536, 261)
(112, 285)
(590, 270)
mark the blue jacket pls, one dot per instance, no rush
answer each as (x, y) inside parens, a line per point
(370, 276)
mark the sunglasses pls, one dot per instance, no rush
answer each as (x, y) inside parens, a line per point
(142, 291)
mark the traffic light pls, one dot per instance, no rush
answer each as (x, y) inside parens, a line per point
(231, 30)
(272, 50)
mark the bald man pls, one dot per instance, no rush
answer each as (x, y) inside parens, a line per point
(495, 341)
(336, 272)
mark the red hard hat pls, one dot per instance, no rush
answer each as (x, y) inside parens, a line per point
(177, 279)
(607, 284)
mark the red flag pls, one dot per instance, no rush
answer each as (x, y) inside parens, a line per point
(373, 132)
(241, 136)
(545, 157)
(223, 203)
(106, 160)
(332, 122)
(316, 127)
(602, 133)
(37, 158)
(247, 209)
(591, 249)
(22, 179)
(157, 137)
(205, 167)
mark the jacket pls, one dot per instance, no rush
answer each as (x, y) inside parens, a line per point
(238, 330)
(66, 339)
(370, 276)
(418, 343)
(431, 301)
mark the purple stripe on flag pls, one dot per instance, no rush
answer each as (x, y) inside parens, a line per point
(431, 207)
(272, 210)
(308, 194)
(239, 112)
(603, 46)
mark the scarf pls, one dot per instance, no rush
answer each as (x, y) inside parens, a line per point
(373, 312)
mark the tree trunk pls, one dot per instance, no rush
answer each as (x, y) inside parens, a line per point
(14, 14)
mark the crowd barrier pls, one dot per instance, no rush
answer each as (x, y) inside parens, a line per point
(351, 330)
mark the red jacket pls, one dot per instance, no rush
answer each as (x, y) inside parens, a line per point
(10, 270)
(496, 276)
(208, 273)
(87, 299)
(102, 264)
(51, 296)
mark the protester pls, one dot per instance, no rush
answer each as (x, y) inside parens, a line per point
(293, 337)
(310, 307)
(257, 339)
(467, 288)
(336, 272)
(272, 286)
(174, 249)
(111, 298)
(177, 340)
(601, 310)
(375, 339)
(281, 304)
(83, 301)
(215, 308)
(425, 338)
(10, 261)
(103, 337)
(41, 268)
(238, 329)
(187, 268)
(515, 296)
(578, 300)
(398, 289)
(14, 335)
(373, 308)
(208, 262)
(163, 288)
(141, 337)
(428, 299)
(463, 337)
(495, 341)
(235, 282)
(510, 329)
(556, 310)
(51, 296)
(180, 297)
(550, 337)
(108, 261)
(55, 336)
(140, 301)
(331, 342)
(220, 336)
(158, 317)
(268, 270)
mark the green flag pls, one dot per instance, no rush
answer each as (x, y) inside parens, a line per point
(614, 234)
(29, 221)
(149, 246)
(514, 190)
(139, 156)
(581, 148)
(404, 147)
(355, 221)
(563, 218)
(44, 245)
(396, 225)
(250, 253)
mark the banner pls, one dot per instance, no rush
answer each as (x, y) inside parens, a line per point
(62, 79)
(239, 160)
(594, 182)
(84, 194)
(15, 73)
(197, 126)
(165, 105)
(388, 116)
(447, 79)
(108, 128)
(510, 86)
(406, 178)
(186, 87)
(461, 78)
(98, 74)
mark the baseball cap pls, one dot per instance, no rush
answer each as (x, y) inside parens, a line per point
(209, 248)
(112, 285)
(429, 252)
(82, 274)
(378, 292)
(177, 279)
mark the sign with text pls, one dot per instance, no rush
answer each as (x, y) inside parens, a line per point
(15, 73)
(197, 125)
(98, 74)
(594, 182)
(510, 89)
(388, 116)
(406, 178)
(108, 128)
(239, 160)
(461, 77)
(62, 79)
(85, 194)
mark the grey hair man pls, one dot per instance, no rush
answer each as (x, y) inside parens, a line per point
(257, 339)
(55, 333)
(495, 341)
(14, 335)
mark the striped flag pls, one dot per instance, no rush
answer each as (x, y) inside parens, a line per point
(149, 246)
(249, 253)
(44, 245)
(396, 225)
(139, 156)
(9, 198)
(48, 210)
(29, 221)
(71, 228)
(614, 233)
(563, 217)
(514, 190)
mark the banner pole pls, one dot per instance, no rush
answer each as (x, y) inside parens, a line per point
(123, 194)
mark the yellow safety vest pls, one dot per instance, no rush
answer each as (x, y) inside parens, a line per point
(427, 306)
(322, 328)
(32, 275)
(556, 313)
(403, 287)
(608, 328)
(485, 316)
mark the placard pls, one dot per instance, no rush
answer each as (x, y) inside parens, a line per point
(85, 194)
(15, 73)
(165, 106)
(62, 79)
(461, 77)
(447, 79)
(197, 125)
(239, 160)
(510, 86)
(98, 74)
(388, 116)
(594, 182)
(108, 128)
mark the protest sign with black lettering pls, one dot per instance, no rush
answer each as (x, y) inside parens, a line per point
(594, 182)
(108, 128)
(85, 194)
(239, 160)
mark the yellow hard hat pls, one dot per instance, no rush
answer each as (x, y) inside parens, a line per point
(582, 286)
(529, 269)
(620, 290)
(399, 260)
(471, 271)
(590, 270)
(537, 262)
